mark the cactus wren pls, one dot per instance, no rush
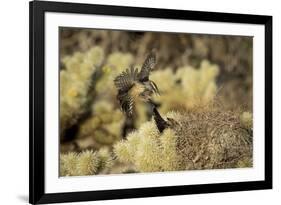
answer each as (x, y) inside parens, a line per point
(134, 86)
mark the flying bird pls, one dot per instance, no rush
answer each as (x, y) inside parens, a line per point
(134, 86)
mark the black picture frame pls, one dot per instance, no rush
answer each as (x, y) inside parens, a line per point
(37, 9)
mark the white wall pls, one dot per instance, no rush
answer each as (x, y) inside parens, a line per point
(14, 100)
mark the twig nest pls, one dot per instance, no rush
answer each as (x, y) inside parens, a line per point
(212, 140)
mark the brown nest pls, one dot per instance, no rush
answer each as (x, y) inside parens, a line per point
(213, 139)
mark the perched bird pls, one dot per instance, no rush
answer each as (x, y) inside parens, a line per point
(134, 86)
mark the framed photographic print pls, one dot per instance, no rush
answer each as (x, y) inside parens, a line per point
(140, 102)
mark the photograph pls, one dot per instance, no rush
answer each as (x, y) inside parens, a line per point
(145, 101)
(131, 102)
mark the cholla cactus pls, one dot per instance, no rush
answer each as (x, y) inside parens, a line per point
(200, 139)
(68, 164)
(75, 84)
(85, 163)
(105, 124)
(149, 150)
(115, 64)
(187, 88)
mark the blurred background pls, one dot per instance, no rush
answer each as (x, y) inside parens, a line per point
(233, 54)
(191, 70)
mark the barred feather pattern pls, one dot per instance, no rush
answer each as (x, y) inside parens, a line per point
(147, 66)
(126, 102)
(126, 79)
(124, 82)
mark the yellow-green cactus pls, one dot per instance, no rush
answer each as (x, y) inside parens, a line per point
(187, 88)
(114, 65)
(106, 121)
(68, 164)
(171, 158)
(105, 124)
(75, 82)
(149, 150)
(87, 162)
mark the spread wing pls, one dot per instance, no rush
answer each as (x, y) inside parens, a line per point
(147, 66)
(126, 103)
(124, 82)
(126, 79)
